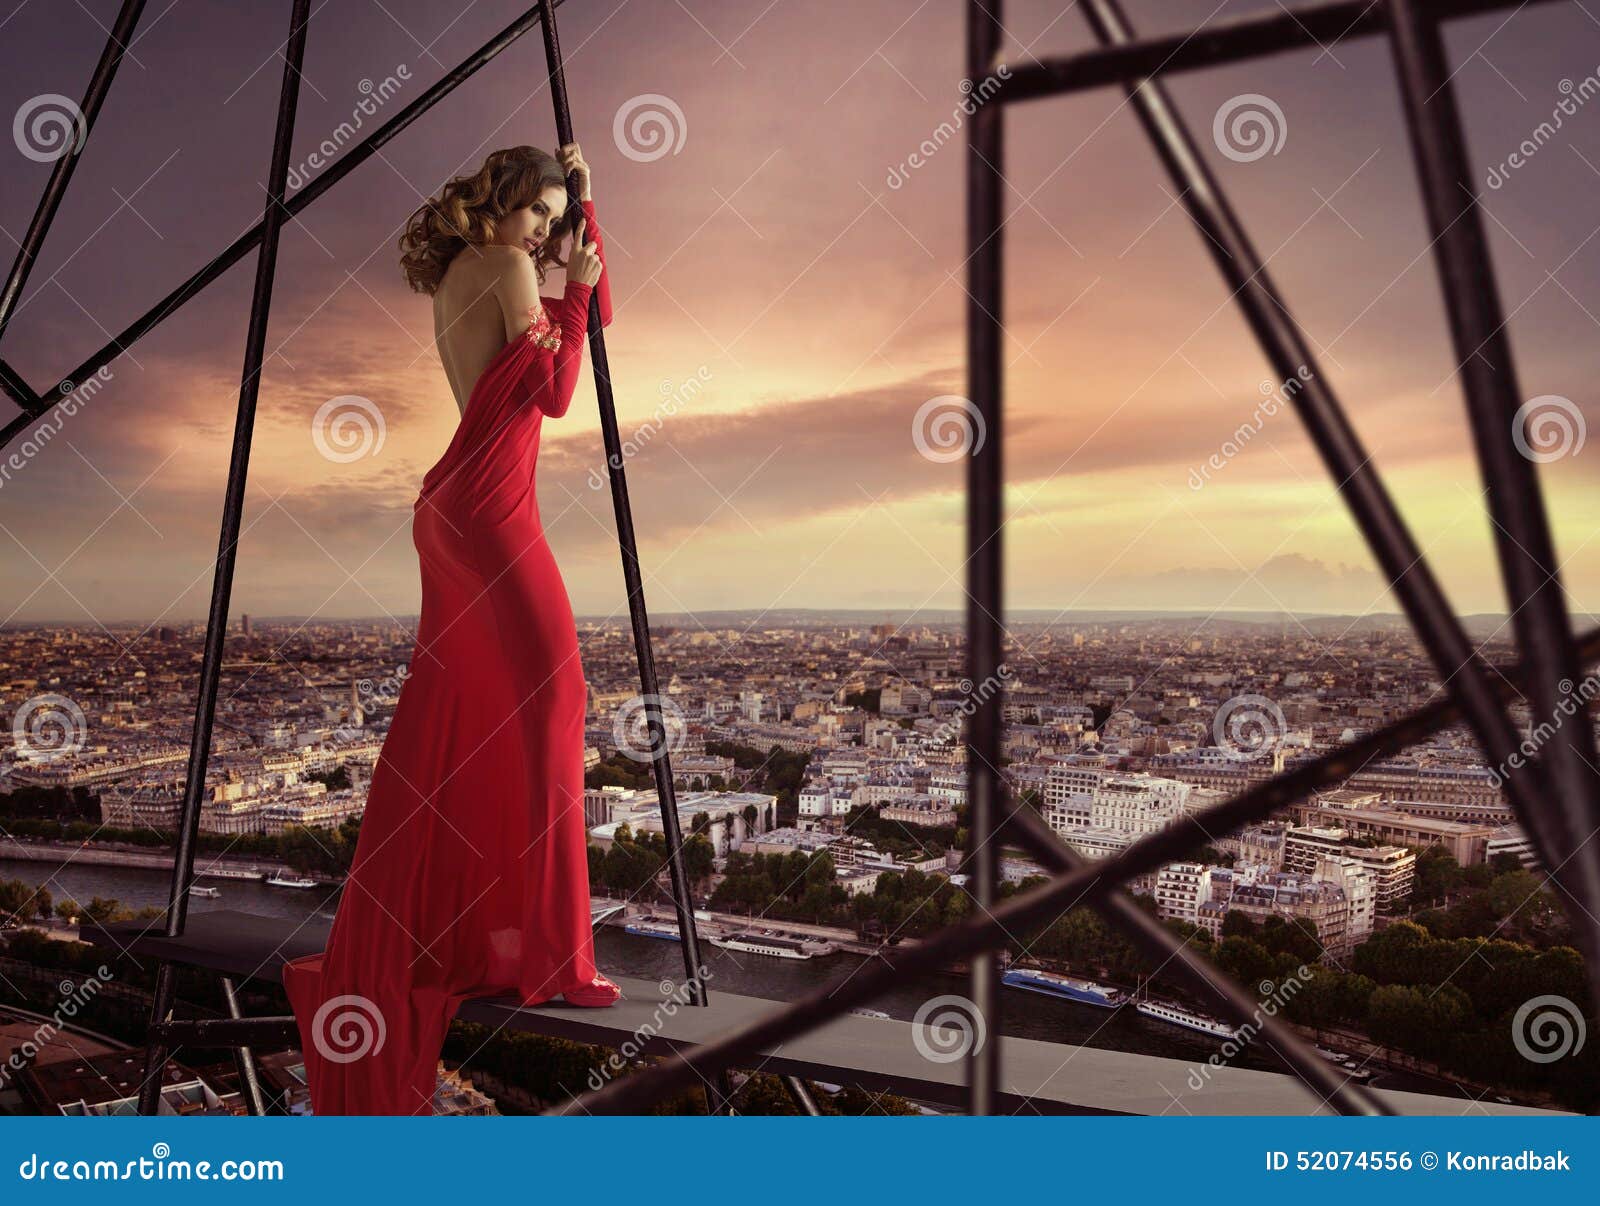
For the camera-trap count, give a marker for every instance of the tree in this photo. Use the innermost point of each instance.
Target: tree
(699, 858)
(1237, 925)
(1437, 876)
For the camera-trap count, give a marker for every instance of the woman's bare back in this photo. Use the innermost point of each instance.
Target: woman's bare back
(469, 326)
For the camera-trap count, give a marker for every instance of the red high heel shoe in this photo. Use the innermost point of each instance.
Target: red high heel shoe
(598, 993)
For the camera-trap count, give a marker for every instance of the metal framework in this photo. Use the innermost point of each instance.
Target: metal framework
(1556, 798)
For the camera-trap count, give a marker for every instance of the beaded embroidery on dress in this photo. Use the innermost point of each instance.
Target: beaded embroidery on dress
(541, 330)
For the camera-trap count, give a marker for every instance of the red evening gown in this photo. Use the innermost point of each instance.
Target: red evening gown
(470, 876)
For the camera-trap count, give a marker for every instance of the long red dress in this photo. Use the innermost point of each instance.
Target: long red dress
(470, 877)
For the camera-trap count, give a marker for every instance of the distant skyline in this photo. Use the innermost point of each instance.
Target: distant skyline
(788, 296)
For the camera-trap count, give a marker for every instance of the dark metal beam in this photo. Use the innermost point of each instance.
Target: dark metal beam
(1228, 41)
(802, 1096)
(227, 548)
(244, 1058)
(1521, 527)
(633, 580)
(1040, 906)
(238, 1032)
(1348, 462)
(66, 163)
(984, 428)
(235, 251)
(22, 394)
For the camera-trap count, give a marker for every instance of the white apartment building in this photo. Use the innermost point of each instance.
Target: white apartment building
(1181, 888)
(1360, 886)
(948, 786)
(1069, 794)
(1138, 804)
(1394, 868)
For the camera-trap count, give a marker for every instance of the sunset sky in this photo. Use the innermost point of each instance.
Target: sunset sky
(815, 302)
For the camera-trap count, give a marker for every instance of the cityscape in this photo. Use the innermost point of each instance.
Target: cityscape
(1400, 921)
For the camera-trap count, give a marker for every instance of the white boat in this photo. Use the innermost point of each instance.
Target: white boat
(1162, 1012)
(197, 890)
(760, 944)
(284, 880)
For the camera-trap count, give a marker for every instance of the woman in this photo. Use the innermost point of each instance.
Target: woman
(470, 876)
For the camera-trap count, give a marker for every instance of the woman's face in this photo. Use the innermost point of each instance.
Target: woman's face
(530, 226)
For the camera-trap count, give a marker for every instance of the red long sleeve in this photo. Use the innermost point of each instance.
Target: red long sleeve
(571, 313)
(554, 395)
(603, 286)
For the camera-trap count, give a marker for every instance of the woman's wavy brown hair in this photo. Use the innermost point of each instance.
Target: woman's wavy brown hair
(467, 208)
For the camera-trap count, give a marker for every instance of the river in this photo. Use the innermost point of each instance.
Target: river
(1026, 1015)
